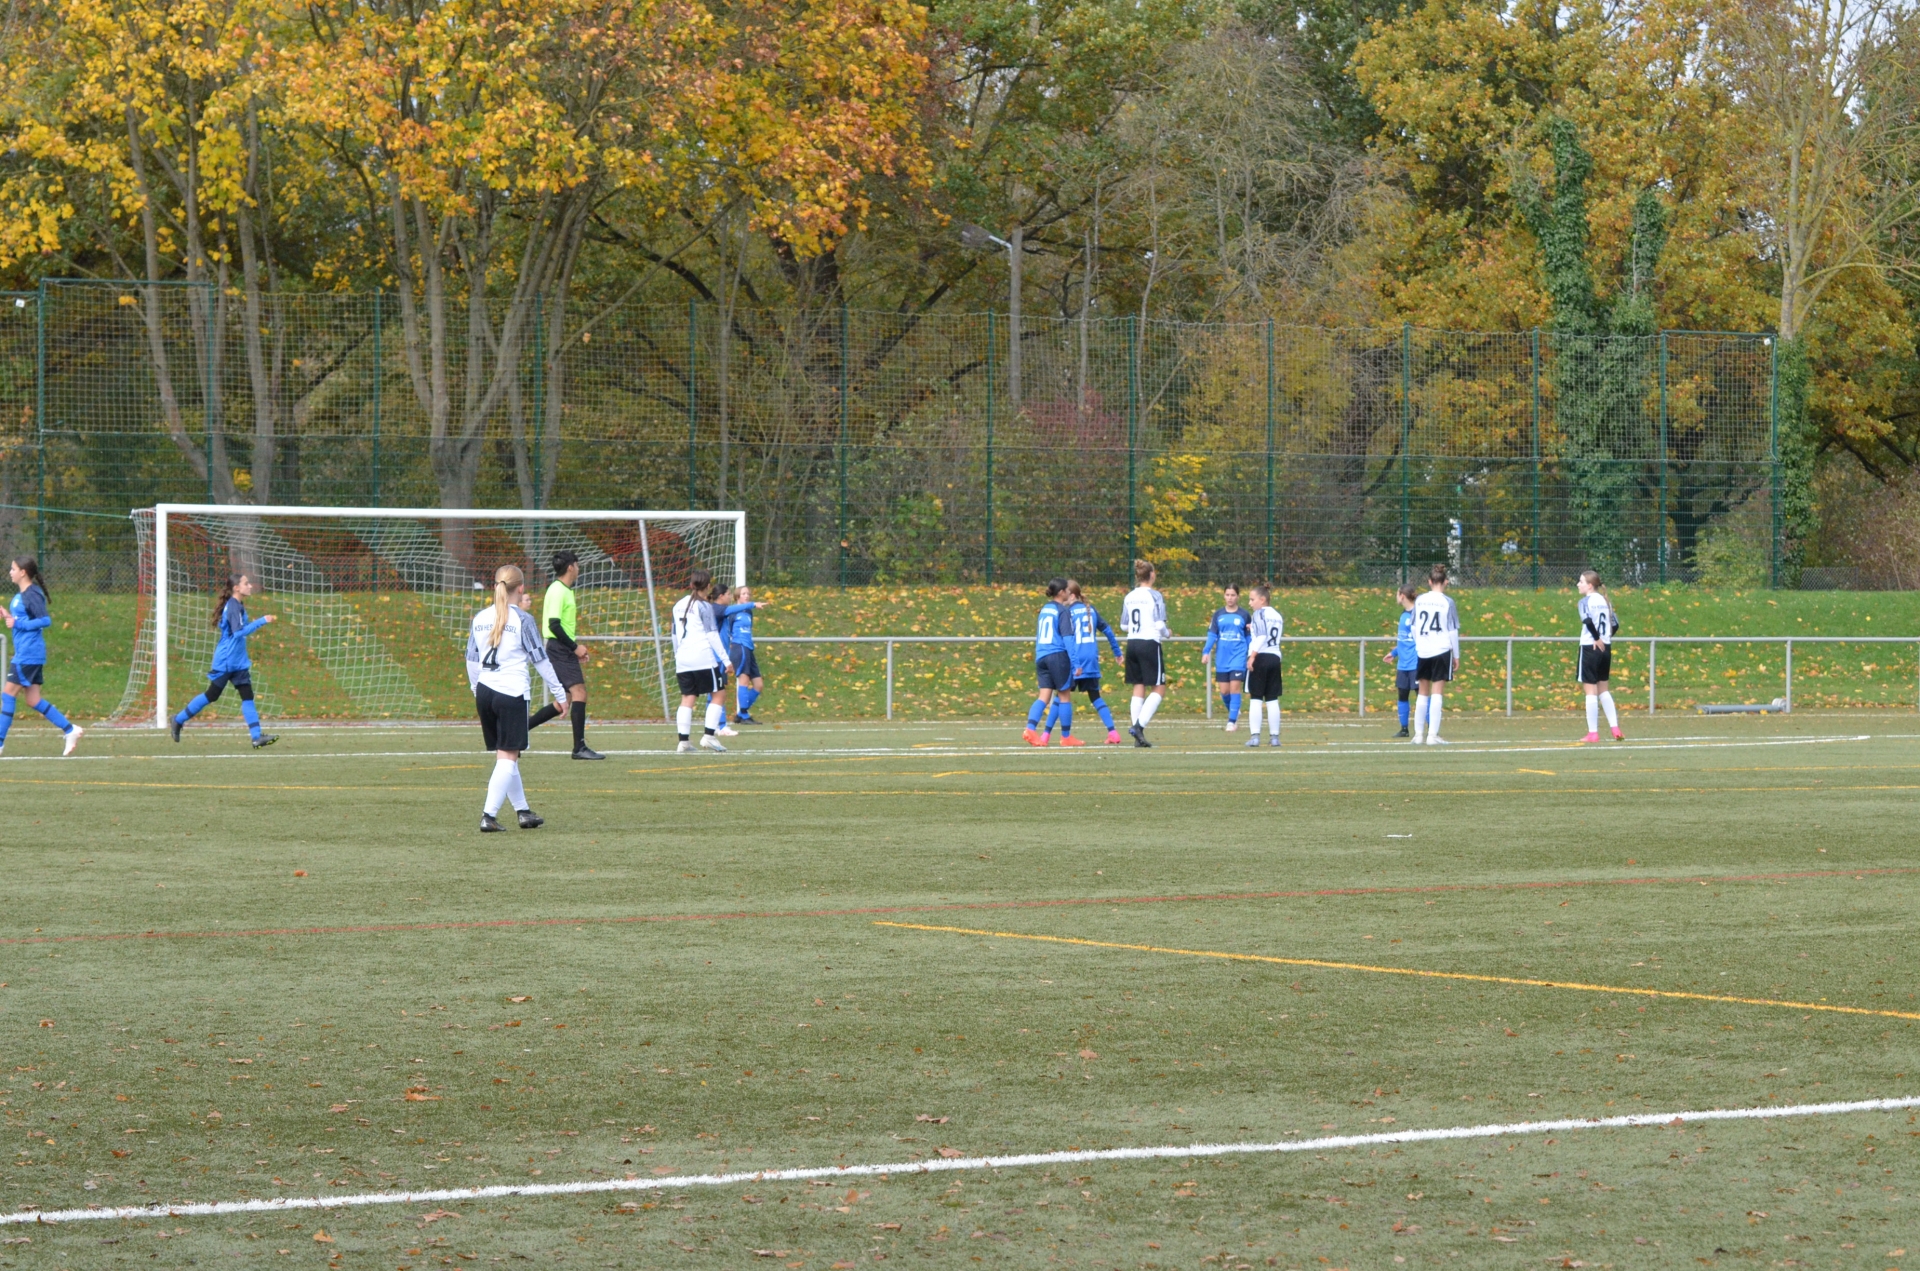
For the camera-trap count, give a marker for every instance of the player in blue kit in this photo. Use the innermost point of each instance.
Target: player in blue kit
(1052, 666)
(1085, 627)
(1405, 659)
(231, 665)
(26, 614)
(736, 632)
(1226, 651)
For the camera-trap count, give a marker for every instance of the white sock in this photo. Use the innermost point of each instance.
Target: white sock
(497, 785)
(684, 721)
(1253, 716)
(1133, 710)
(1419, 717)
(1613, 715)
(716, 715)
(1593, 712)
(516, 792)
(1273, 720)
(1433, 716)
(1152, 707)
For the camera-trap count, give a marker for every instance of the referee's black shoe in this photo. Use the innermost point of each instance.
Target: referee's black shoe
(488, 825)
(587, 752)
(1139, 735)
(530, 820)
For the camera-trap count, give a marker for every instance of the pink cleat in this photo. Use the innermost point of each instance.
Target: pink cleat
(1618, 735)
(1113, 737)
(1590, 738)
(1039, 739)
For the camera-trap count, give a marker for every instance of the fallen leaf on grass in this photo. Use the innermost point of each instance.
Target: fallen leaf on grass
(418, 1094)
(17, 1240)
(932, 1120)
(436, 1216)
(524, 997)
(322, 1238)
(119, 1153)
(951, 1152)
(1087, 1054)
(340, 1107)
(886, 1226)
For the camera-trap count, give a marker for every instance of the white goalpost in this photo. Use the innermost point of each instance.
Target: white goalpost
(373, 600)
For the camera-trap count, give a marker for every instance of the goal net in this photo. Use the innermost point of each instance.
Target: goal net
(372, 605)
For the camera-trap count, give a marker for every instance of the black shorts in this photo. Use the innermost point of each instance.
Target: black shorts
(1438, 668)
(694, 683)
(242, 682)
(566, 664)
(1055, 671)
(1596, 664)
(745, 665)
(503, 719)
(1227, 677)
(1405, 682)
(1088, 684)
(1144, 663)
(1263, 681)
(25, 674)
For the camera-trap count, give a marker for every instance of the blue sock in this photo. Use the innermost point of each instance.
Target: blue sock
(1065, 714)
(1053, 710)
(1033, 713)
(1106, 713)
(191, 709)
(746, 696)
(1405, 706)
(7, 708)
(251, 713)
(1233, 707)
(52, 715)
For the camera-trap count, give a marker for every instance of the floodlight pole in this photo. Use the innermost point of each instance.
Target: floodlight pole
(1015, 248)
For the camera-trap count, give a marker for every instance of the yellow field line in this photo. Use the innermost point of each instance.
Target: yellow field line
(1413, 971)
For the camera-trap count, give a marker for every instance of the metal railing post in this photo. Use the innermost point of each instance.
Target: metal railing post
(1653, 649)
(889, 679)
(1363, 676)
(1789, 675)
(1509, 679)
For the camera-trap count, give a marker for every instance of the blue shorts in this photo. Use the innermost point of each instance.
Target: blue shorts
(1088, 684)
(1406, 681)
(1055, 671)
(25, 674)
(745, 665)
(1226, 675)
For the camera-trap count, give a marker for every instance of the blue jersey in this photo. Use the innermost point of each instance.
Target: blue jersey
(736, 625)
(1050, 633)
(30, 618)
(231, 653)
(1405, 658)
(1085, 626)
(1227, 640)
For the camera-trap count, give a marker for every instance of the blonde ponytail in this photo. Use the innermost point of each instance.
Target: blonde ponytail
(506, 580)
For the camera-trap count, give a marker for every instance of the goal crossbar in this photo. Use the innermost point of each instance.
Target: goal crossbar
(163, 513)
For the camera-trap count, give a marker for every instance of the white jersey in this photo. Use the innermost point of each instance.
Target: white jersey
(1597, 623)
(696, 638)
(1436, 625)
(1263, 632)
(504, 668)
(1143, 615)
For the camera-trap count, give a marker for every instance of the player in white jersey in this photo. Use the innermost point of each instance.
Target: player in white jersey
(1264, 629)
(700, 660)
(503, 645)
(1597, 628)
(1436, 640)
(1143, 620)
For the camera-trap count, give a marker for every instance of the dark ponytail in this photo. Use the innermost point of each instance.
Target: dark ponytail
(31, 568)
(220, 601)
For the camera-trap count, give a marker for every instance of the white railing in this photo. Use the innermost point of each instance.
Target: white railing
(1652, 644)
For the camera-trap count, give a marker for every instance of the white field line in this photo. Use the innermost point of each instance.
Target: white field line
(1354, 750)
(283, 1204)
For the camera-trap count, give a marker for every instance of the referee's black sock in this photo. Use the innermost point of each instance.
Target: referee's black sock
(579, 715)
(542, 715)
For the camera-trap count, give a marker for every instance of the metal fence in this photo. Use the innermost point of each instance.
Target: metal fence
(885, 447)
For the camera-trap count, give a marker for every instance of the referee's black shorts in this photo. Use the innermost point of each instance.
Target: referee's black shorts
(1144, 663)
(503, 719)
(566, 664)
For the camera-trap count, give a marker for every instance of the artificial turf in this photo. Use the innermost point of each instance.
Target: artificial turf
(684, 972)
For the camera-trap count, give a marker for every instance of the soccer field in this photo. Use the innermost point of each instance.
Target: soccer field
(302, 973)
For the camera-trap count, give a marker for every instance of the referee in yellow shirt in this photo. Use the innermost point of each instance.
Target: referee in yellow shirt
(561, 614)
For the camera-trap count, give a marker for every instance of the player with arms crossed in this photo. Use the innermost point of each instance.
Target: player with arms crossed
(1143, 616)
(231, 665)
(1225, 652)
(1436, 639)
(1264, 630)
(1086, 626)
(1598, 626)
(561, 611)
(1406, 661)
(1052, 667)
(700, 661)
(26, 615)
(503, 646)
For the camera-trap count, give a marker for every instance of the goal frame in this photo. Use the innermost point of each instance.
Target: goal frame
(162, 591)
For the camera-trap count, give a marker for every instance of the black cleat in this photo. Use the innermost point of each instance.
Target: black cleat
(264, 739)
(1139, 736)
(745, 719)
(177, 726)
(587, 752)
(530, 820)
(1403, 733)
(488, 825)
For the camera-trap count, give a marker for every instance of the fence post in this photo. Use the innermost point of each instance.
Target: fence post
(40, 422)
(1269, 570)
(992, 337)
(1536, 459)
(1133, 429)
(379, 373)
(693, 359)
(1660, 524)
(539, 386)
(844, 544)
(1789, 676)
(1653, 650)
(1406, 443)
(889, 679)
(1773, 453)
(1509, 677)
(1363, 677)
